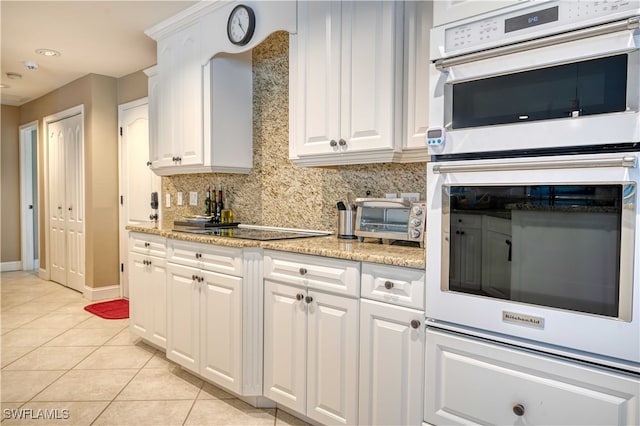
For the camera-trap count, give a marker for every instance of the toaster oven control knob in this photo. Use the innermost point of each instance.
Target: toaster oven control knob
(415, 233)
(417, 210)
(416, 222)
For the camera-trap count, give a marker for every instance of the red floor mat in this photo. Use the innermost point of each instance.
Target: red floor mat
(113, 309)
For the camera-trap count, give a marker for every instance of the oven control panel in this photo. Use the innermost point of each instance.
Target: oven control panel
(546, 18)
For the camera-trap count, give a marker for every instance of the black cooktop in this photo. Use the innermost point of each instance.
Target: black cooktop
(252, 233)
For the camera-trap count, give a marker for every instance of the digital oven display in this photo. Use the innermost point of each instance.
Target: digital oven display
(531, 19)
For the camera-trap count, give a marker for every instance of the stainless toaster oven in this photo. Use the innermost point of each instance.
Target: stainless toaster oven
(392, 219)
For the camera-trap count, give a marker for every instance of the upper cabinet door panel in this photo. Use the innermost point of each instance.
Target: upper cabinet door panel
(371, 73)
(315, 69)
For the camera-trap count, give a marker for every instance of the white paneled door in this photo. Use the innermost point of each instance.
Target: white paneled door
(137, 181)
(66, 202)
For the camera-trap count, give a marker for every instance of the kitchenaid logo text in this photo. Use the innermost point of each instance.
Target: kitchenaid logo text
(528, 320)
(35, 414)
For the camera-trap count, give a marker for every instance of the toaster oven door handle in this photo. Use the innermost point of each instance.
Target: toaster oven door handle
(632, 23)
(628, 161)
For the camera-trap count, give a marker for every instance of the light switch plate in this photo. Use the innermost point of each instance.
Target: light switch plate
(411, 196)
(167, 200)
(180, 201)
(193, 198)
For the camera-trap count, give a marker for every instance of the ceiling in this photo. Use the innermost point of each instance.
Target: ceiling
(100, 37)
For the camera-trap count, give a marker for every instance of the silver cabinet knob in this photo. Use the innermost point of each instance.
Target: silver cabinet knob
(415, 323)
(333, 143)
(308, 299)
(388, 285)
(299, 296)
(147, 244)
(303, 271)
(342, 142)
(194, 278)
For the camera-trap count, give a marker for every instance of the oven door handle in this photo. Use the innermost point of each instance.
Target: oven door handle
(632, 23)
(628, 161)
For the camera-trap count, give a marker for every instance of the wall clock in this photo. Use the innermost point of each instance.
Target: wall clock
(241, 24)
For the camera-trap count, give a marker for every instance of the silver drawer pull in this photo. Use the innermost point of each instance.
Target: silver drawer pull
(299, 296)
(303, 271)
(518, 410)
(415, 324)
(147, 244)
(388, 285)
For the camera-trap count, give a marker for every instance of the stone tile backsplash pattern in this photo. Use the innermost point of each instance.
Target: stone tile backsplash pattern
(277, 192)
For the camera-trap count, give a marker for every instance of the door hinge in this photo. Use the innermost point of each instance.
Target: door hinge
(122, 267)
(121, 200)
(120, 131)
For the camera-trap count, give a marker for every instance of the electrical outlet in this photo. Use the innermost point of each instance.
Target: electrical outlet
(180, 201)
(167, 200)
(193, 198)
(410, 196)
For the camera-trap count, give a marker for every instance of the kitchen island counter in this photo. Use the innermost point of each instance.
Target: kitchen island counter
(328, 246)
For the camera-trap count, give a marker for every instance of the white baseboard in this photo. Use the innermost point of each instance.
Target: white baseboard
(101, 293)
(11, 266)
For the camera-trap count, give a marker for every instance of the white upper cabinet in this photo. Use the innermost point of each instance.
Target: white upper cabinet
(346, 82)
(446, 11)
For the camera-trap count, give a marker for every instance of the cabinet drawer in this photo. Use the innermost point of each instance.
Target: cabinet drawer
(471, 381)
(467, 220)
(391, 284)
(226, 260)
(151, 245)
(322, 273)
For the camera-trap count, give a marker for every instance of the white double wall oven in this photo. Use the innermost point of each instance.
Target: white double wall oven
(533, 232)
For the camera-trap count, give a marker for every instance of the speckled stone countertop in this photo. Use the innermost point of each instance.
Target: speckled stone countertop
(329, 246)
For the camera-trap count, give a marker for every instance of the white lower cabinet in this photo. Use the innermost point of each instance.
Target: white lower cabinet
(472, 381)
(391, 364)
(147, 293)
(205, 314)
(311, 342)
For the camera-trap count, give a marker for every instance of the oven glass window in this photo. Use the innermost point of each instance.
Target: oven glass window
(551, 245)
(597, 86)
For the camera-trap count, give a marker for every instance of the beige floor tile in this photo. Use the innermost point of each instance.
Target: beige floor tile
(145, 413)
(87, 385)
(12, 353)
(52, 358)
(23, 385)
(97, 322)
(83, 337)
(17, 319)
(73, 306)
(161, 385)
(123, 338)
(58, 413)
(38, 306)
(110, 357)
(160, 361)
(285, 419)
(58, 320)
(228, 412)
(29, 336)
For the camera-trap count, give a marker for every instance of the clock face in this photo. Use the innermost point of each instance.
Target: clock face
(241, 25)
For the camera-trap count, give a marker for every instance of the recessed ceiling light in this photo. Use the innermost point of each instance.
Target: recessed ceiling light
(14, 75)
(47, 52)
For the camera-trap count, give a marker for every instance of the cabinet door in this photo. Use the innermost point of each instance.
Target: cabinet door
(371, 74)
(332, 374)
(285, 349)
(471, 381)
(391, 364)
(221, 330)
(157, 298)
(140, 317)
(183, 316)
(466, 251)
(315, 78)
(180, 99)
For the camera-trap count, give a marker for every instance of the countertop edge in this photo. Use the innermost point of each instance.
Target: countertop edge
(327, 246)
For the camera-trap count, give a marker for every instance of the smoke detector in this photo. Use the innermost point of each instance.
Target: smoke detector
(30, 65)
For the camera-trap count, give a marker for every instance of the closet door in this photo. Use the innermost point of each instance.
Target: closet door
(57, 203)
(74, 196)
(66, 202)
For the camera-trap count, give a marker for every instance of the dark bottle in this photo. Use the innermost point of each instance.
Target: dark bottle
(212, 204)
(219, 205)
(207, 203)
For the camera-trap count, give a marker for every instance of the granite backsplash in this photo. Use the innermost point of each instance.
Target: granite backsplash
(278, 192)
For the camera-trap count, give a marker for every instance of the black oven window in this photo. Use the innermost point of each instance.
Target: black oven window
(597, 86)
(551, 245)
